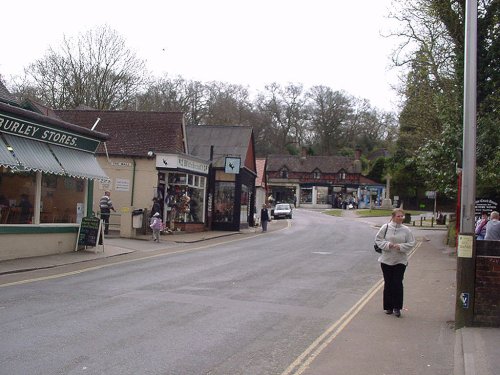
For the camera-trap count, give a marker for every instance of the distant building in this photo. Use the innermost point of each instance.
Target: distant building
(320, 181)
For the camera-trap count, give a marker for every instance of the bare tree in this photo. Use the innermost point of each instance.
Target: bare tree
(176, 94)
(228, 104)
(330, 112)
(286, 110)
(96, 69)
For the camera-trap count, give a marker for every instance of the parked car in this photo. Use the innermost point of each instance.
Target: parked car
(282, 210)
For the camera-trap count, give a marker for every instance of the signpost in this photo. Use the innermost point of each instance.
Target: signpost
(90, 233)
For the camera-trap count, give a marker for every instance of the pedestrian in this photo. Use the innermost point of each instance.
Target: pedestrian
(264, 217)
(396, 241)
(493, 227)
(105, 206)
(481, 226)
(156, 207)
(157, 226)
(26, 209)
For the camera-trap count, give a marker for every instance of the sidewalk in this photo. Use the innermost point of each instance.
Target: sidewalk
(422, 341)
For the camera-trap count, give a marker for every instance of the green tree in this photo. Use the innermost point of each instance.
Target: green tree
(432, 46)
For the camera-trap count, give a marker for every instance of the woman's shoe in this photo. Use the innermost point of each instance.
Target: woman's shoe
(388, 312)
(397, 312)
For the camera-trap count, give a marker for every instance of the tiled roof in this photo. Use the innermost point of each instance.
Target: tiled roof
(325, 164)
(9, 103)
(366, 181)
(261, 170)
(133, 133)
(34, 116)
(6, 96)
(227, 141)
(35, 106)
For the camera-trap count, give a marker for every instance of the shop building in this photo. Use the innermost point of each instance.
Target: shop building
(230, 150)
(319, 181)
(47, 174)
(145, 158)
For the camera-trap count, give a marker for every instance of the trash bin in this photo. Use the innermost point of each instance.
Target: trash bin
(137, 217)
(407, 219)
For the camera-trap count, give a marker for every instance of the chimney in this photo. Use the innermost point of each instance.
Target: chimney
(303, 152)
(357, 153)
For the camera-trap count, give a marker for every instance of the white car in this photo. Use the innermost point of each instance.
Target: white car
(282, 210)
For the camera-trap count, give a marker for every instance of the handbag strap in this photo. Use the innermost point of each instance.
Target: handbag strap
(386, 226)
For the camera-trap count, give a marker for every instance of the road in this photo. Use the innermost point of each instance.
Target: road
(241, 307)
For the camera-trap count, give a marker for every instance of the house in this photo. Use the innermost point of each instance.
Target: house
(47, 173)
(231, 153)
(260, 186)
(145, 158)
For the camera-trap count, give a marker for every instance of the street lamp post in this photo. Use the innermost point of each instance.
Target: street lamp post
(466, 241)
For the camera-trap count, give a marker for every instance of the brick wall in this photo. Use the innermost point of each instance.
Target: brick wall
(487, 285)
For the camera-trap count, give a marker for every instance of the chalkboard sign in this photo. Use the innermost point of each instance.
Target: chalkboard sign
(90, 232)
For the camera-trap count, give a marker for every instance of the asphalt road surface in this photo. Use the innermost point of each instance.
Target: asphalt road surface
(250, 306)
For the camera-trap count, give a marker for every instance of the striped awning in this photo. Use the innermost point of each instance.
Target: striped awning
(79, 163)
(33, 155)
(6, 158)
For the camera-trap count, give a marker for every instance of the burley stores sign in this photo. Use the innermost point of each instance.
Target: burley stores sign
(39, 132)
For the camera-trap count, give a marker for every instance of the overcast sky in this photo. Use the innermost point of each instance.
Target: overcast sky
(336, 43)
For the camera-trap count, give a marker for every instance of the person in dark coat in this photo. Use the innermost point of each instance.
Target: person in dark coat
(264, 217)
(156, 207)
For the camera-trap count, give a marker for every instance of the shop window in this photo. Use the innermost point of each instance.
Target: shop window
(185, 198)
(59, 197)
(224, 201)
(244, 203)
(306, 195)
(17, 196)
(322, 195)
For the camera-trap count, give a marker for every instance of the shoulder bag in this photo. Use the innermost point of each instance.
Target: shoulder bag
(378, 249)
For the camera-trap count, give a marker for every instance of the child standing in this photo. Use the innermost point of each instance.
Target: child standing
(156, 225)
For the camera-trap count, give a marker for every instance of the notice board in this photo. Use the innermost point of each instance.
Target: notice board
(90, 233)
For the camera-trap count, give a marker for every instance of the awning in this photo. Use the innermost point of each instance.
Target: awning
(79, 163)
(33, 155)
(6, 158)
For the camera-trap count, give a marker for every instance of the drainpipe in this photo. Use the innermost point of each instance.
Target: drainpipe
(133, 183)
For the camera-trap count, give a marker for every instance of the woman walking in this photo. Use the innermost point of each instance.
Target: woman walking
(396, 241)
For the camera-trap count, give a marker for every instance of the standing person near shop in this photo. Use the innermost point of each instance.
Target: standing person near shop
(156, 207)
(493, 227)
(105, 206)
(264, 217)
(481, 226)
(26, 209)
(396, 241)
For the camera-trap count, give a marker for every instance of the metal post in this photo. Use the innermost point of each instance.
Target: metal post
(466, 252)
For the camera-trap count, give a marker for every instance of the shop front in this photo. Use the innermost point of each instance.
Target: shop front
(182, 191)
(233, 200)
(47, 168)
